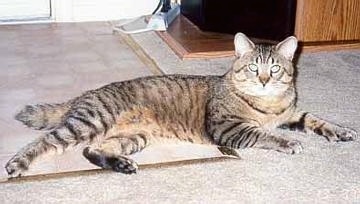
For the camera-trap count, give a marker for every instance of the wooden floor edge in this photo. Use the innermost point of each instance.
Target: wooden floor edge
(209, 55)
(44, 177)
(182, 53)
(179, 50)
(334, 47)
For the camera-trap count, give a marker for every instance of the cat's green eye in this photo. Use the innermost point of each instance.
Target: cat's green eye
(275, 69)
(253, 67)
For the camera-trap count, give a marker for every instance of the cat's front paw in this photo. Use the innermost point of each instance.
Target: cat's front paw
(345, 134)
(16, 165)
(123, 165)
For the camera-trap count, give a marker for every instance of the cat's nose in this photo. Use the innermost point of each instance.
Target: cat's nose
(264, 80)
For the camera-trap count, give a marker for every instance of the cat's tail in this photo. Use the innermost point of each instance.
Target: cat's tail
(43, 116)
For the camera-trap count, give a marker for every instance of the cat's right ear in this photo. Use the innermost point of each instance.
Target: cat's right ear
(242, 44)
(287, 47)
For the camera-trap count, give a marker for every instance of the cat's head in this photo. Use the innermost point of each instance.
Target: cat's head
(263, 69)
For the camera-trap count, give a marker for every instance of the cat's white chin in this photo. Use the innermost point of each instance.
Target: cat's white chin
(261, 91)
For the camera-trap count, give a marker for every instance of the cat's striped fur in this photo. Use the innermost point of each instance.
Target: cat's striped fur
(236, 110)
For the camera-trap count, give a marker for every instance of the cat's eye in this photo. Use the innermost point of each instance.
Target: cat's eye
(275, 69)
(253, 68)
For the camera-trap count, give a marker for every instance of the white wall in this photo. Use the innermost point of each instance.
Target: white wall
(20, 9)
(99, 10)
(76, 10)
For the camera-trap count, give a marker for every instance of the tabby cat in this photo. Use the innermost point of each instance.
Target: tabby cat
(236, 110)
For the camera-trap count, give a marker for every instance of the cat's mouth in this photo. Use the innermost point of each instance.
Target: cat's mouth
(266, 90)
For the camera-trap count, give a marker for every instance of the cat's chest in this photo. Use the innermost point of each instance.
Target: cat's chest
(272, 121)
(270, 113)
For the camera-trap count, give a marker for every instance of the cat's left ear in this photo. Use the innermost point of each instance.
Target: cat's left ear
(242, 44)
(287, 47)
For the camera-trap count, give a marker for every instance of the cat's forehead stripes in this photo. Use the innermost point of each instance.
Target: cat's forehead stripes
(258, 59)
(264, 54)
(270, 60)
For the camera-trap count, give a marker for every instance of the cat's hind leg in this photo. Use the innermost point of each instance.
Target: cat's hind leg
(75, 129)
(111, 153)
(57, 141)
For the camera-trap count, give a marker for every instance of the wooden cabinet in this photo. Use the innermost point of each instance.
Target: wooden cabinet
(319, 21)
(320, 25)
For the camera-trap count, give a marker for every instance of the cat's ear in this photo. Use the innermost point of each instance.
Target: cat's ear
(287, 47)
(243, 44)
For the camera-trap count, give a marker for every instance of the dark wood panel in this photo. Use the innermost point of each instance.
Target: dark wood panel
(327, 20)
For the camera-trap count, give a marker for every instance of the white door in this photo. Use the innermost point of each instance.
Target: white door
(24, 9)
